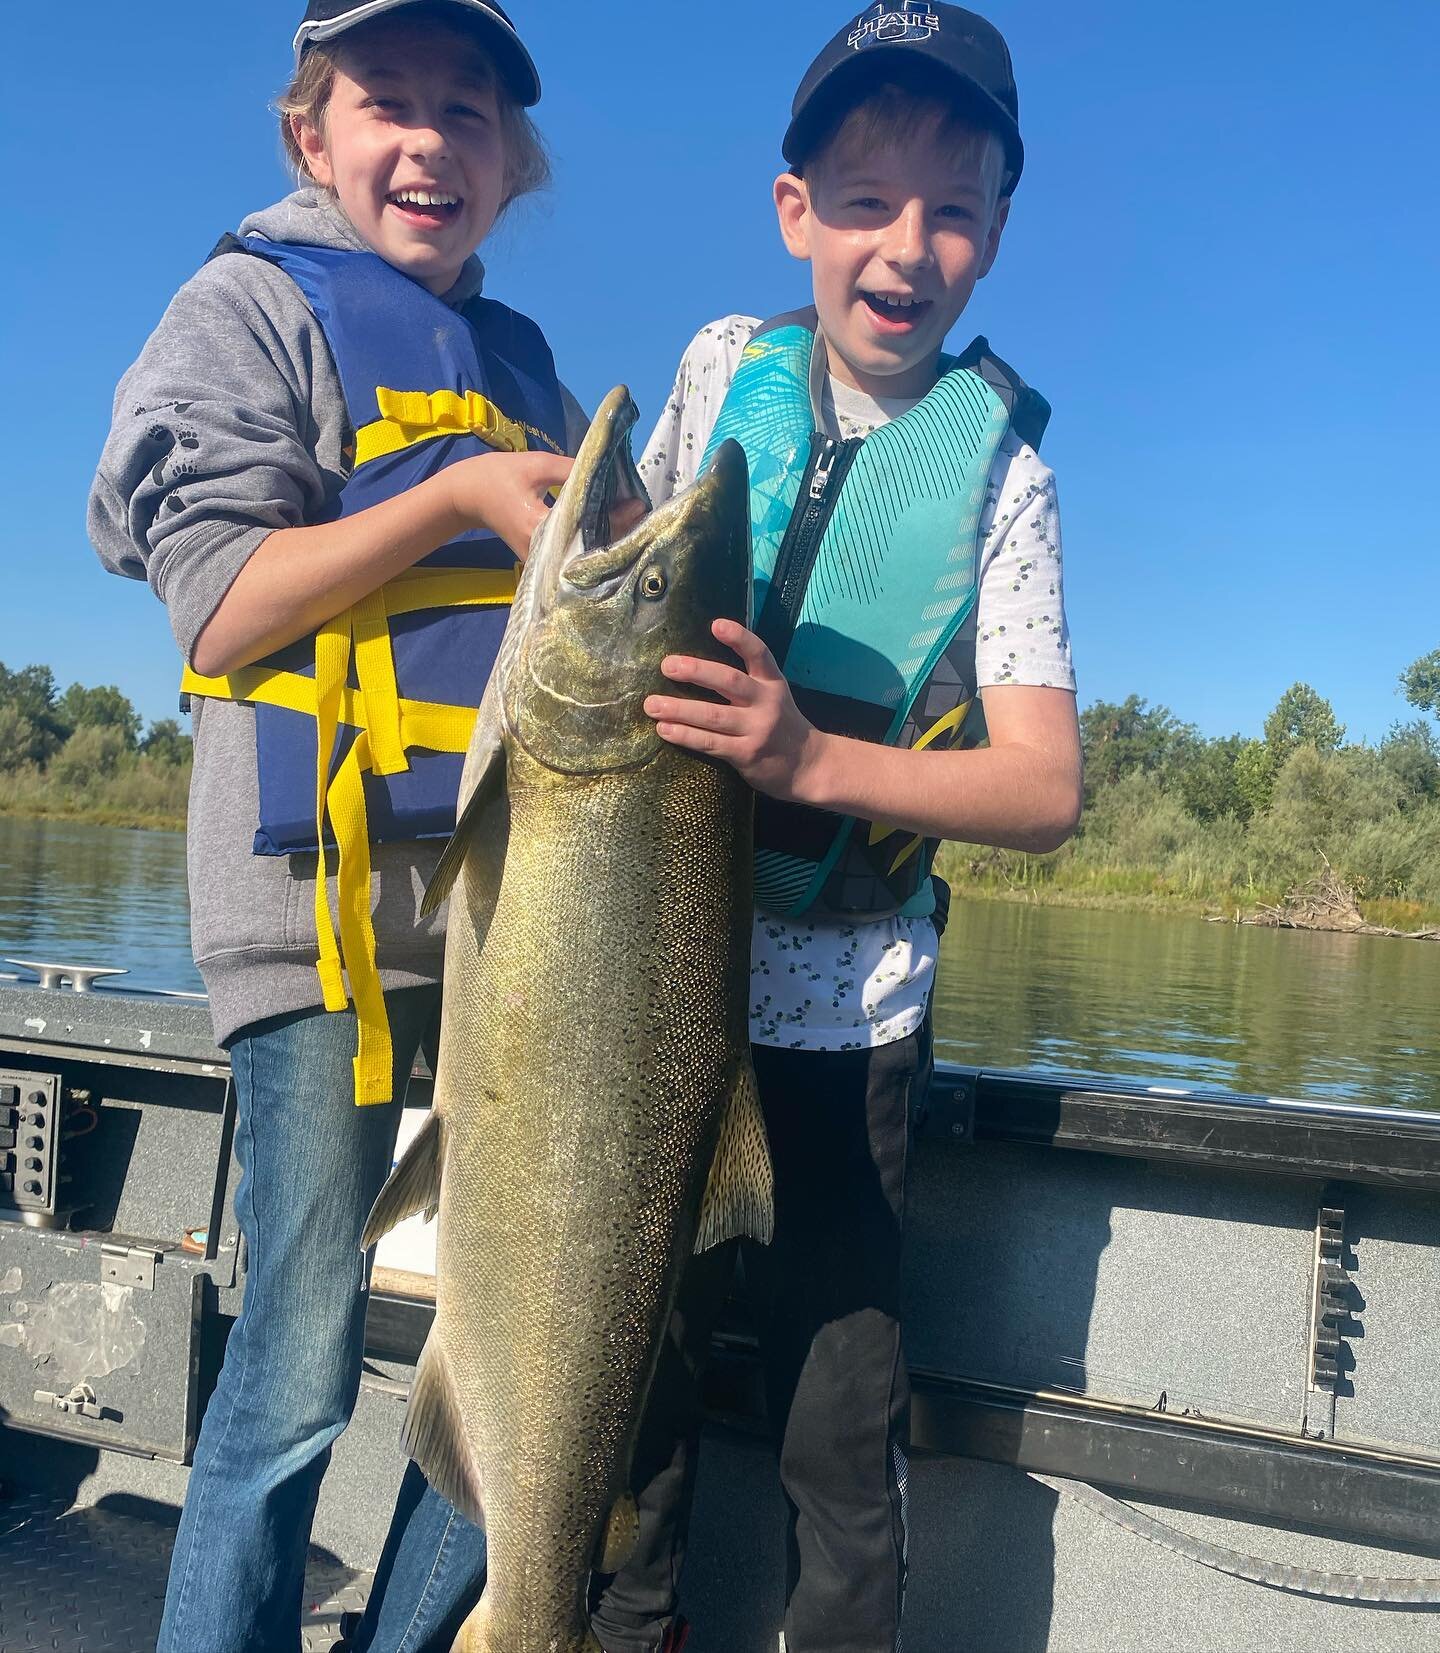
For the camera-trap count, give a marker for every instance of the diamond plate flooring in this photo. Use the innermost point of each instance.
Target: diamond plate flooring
(92, 1580)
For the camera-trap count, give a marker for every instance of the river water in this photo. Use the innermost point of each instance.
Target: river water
(1166, 1000)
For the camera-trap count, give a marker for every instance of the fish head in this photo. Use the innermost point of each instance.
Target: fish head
(607, 614)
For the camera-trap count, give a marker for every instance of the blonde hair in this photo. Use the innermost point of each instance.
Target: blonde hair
(527, 161)
(891, 116)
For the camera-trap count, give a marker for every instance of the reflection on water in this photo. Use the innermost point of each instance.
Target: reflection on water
(77, 894)
(1172, 1000)
(1166, 1000)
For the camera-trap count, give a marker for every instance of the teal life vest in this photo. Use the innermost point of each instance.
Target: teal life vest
(867, 566)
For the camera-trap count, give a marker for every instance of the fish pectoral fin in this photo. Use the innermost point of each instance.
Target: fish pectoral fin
(414, 1185)
(622, 1533)
(487, 764)
(740, 1195)
(434, 1436)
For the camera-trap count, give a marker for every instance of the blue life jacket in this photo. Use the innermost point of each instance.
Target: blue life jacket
(387, 333)
(361, 728)
(867, 565)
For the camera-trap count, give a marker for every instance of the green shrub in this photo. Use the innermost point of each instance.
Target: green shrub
(1420, 683)
(1302, 718)
(166, 742)
(20, 742)
(103, 708)
(91, 755)
(1411, 751)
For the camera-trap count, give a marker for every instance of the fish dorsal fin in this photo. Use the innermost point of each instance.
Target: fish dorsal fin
(480, 820)
(622, 1533)
(414, 1185)
(740, 1195)
(434, 1436)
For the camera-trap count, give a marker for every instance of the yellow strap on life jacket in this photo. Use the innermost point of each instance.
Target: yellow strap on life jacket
(388, 727)
(451, 588)
(375, 667)
(411, 416)
(878, 829)
(332, 668)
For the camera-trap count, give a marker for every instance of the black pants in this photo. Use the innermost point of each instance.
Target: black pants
(827, 1302)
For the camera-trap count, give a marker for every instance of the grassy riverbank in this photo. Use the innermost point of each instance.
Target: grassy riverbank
(1175, 822)
(139, 792)
(1340, 814)
(1139, 848)
(86, 755)
(1030, 881)
(1325, 833)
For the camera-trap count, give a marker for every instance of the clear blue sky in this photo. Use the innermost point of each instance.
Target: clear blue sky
(1221, 268)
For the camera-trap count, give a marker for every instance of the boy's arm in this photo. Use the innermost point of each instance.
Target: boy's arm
(298, 578)
(228, 435)
(1022, 792)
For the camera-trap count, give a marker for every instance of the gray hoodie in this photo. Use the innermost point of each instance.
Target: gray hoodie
(231, 425)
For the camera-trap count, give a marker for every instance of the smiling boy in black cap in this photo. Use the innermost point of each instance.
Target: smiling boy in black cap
(907, 564)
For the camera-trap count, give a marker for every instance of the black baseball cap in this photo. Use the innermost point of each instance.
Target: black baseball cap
(325, 19)
(945, 43)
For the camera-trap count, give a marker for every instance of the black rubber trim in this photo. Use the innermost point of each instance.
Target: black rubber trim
(1246, 1473)
(1392, 1499)
(1391, 1147)
(1259, 1478)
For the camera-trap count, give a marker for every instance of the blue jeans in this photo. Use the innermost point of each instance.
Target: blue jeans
(429, 1578)
(312, 1164)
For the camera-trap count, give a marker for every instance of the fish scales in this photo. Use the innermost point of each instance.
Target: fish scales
(595, 1115)
(576, 1169)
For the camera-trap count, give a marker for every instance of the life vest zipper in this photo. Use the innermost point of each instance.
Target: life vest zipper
(820, 487)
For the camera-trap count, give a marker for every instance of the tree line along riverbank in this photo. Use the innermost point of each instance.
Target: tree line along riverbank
(85, 754)
(1231, 827)
(1174, 820)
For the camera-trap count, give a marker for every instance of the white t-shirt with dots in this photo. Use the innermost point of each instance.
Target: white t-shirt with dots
(832, 985)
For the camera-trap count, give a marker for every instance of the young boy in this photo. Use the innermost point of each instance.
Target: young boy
(907, 562)
(333, 449)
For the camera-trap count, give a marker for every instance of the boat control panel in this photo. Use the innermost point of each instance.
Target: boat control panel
(29, 1128)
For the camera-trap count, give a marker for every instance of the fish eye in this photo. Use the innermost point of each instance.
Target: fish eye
(652, 584)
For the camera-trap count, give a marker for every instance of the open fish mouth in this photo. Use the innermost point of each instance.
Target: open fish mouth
(601, 570)
(607, 474)
(608, 594)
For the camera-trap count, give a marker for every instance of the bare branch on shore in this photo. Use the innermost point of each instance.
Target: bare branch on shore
(1326, 902)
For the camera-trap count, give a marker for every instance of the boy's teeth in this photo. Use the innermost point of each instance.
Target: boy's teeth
(894, 303)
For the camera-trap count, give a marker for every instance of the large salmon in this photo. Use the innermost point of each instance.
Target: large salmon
(595, 1112)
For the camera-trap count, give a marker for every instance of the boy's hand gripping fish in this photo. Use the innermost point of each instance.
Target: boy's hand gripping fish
(595, 1113)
